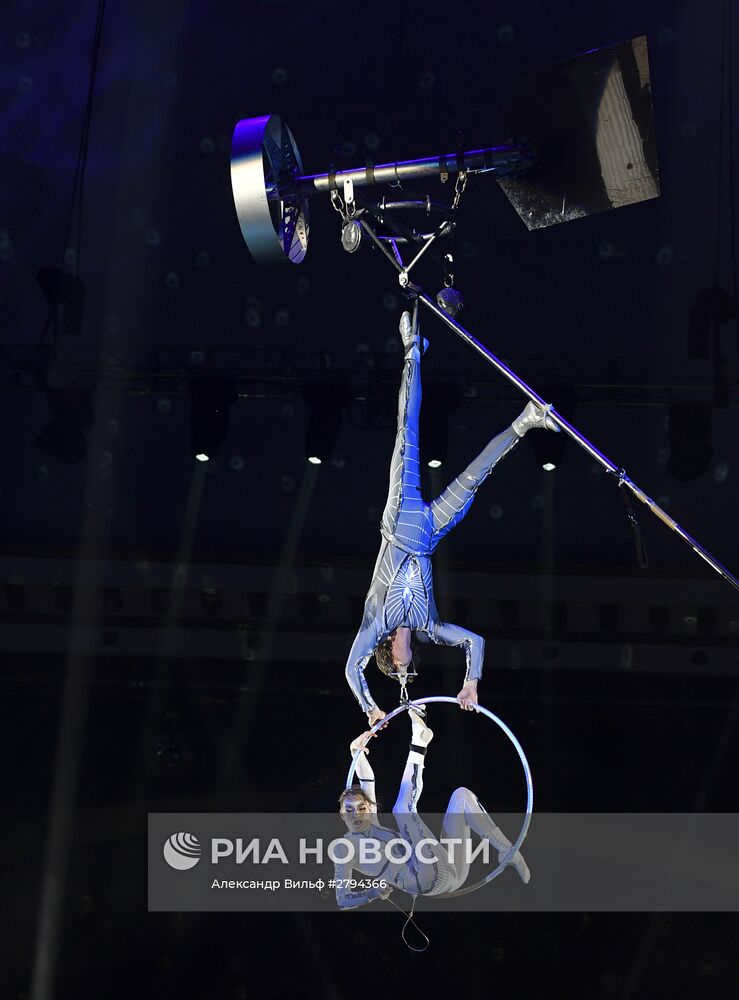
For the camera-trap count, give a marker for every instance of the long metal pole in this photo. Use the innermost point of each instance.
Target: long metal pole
(565, 425)
(502, 160)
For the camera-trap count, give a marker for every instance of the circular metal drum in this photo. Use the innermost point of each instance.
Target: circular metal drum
(264, 161)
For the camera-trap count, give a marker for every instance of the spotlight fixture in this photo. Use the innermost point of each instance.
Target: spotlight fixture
(64, 436)
(508, 613)
(63, 597)
(690, 440)
(351, 236)
(608, 617)
(65, 294)
(326, 401)
(659, 618)
(712, 307)
(15, 596)
(439, 402)
(310, 607)
(707, 620)
(210, 403)
(210, 600)
(112, 600)
(160, 601)
(548, 454)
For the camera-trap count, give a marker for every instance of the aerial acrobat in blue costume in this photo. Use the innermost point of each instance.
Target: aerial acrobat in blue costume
(400, 599)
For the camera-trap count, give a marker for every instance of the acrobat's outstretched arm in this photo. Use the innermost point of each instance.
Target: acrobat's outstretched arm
(362, 649)
(447, 634)
(350, 899)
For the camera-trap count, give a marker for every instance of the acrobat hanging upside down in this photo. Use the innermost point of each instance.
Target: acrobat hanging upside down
(400, 599)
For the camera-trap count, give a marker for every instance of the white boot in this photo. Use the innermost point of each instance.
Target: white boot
(410, 337)
(534, 416)
(421, 735)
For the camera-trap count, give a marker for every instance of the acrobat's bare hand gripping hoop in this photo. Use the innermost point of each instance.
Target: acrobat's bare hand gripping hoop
(589, 148)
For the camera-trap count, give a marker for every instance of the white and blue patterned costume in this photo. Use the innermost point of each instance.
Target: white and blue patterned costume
(401, 592)
(444, 871)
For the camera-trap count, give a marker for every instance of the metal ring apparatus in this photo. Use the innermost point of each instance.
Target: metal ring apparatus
(522, 756)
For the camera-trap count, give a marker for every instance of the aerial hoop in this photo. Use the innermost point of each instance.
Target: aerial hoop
(526, 769)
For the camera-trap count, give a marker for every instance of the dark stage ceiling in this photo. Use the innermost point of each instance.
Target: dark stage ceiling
(208, 607)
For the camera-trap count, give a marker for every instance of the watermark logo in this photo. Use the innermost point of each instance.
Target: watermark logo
(182, 851)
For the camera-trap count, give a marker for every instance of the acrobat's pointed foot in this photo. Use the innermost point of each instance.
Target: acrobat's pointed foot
(518, 863)
(411, 338)
(421, 735)
(533, 417)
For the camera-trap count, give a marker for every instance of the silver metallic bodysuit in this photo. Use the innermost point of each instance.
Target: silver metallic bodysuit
(401, 592)
(443, 871)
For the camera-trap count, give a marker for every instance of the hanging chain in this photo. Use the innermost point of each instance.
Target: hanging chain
(338, 203)
(460, 185)
(448, 273)
(404, 699)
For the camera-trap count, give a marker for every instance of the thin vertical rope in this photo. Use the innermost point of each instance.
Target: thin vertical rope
(719, 182)
(81, 166)
(732, 206)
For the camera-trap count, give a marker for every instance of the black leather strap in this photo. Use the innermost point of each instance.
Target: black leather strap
(641, 549)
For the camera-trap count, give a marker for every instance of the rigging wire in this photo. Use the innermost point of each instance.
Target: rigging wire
(78, 184)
